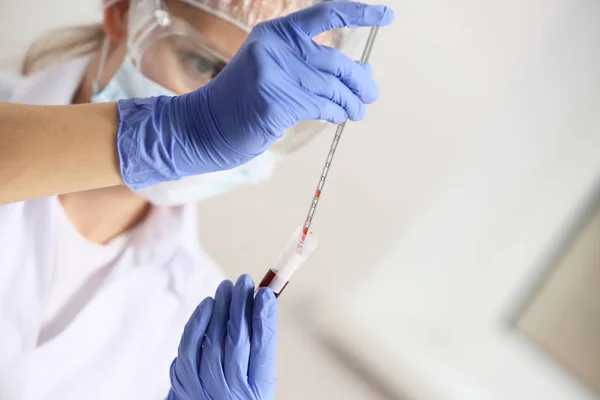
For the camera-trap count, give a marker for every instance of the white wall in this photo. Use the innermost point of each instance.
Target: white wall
(25, 20)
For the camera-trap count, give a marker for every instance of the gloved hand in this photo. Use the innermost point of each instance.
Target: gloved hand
(278, 78)
(227, 351)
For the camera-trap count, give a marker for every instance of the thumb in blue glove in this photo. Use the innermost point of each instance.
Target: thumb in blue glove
(228, 347)
(278, 78)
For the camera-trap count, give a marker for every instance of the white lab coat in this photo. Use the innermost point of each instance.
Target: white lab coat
(122, 342)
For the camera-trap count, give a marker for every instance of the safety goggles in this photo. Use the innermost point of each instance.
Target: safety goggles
(169, 50)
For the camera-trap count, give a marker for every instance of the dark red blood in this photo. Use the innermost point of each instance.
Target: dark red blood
(266, 281)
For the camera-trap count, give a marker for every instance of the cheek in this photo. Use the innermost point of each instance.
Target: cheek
(114, 61)
(161, 65)
(326, 39)
(160, 68)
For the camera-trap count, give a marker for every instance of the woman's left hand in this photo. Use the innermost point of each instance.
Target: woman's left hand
(228, 347)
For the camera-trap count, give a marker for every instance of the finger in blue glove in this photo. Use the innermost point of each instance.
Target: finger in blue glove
(261, 370)
(184, 369)
(211, 365)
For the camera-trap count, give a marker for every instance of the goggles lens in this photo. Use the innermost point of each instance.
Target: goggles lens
(168, 50)
(179, 63)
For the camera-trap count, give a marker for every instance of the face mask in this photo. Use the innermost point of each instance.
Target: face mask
(127, 83)
(205, 186)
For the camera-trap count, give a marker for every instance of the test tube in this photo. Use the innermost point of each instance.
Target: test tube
(297, 251)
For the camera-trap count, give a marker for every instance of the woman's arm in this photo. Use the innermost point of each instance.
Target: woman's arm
(54, 150)
(48, 150)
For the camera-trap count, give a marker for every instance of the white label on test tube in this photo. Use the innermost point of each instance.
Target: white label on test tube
(292, 259)
(289, 265)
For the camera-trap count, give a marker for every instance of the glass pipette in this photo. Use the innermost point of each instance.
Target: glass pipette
(336, 139)
(303, 242)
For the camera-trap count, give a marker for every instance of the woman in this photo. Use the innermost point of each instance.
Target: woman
(97, 283)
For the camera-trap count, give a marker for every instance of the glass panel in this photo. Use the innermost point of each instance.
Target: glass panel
(564, 315)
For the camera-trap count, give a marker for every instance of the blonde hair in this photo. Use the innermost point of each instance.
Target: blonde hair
(62, 44)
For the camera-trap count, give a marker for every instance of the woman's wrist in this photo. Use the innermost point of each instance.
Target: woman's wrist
(48, 150)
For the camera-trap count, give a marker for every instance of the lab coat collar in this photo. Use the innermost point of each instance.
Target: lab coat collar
(56, 85)
(157, 238)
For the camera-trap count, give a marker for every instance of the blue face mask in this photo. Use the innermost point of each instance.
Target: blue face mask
(129, 82)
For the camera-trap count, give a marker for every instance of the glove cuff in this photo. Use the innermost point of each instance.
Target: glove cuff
(144, 142)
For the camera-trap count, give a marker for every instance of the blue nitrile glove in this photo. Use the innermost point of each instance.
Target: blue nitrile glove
(227, 351)
(278, 78)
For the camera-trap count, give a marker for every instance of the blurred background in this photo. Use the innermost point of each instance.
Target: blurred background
(460, 226)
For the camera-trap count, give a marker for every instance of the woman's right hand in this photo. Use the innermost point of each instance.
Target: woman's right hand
(227, 351)
(278, 78)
